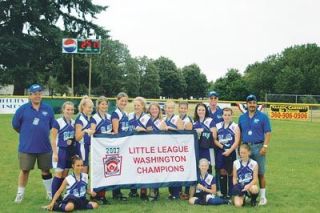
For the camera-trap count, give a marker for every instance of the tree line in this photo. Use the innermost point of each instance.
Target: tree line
(30, 51)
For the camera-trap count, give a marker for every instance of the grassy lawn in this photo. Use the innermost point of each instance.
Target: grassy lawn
(292, 171)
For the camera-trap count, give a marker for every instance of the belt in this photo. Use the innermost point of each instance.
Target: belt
(253, 143)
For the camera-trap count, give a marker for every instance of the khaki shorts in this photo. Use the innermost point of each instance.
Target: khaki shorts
(27, 160)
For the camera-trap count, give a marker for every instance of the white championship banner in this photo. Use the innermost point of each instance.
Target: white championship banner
(143, 160)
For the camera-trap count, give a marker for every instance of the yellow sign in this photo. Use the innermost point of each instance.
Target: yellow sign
(289, 112)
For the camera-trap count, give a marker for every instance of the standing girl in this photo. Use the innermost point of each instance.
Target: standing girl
(139, 121)
(120, 124)
(84, 129)
(63, 144)
(102, 120)
(174, 123)
(204, 125)
(76, 185)
(227, 139)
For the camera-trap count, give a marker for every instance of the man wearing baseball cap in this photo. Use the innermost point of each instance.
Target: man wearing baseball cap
(33, 122)
(256, 132)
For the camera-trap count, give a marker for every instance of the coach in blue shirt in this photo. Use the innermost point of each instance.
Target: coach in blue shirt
(256, 132)
(33, 122)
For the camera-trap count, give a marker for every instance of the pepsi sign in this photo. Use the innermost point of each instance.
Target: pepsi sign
(69, 45)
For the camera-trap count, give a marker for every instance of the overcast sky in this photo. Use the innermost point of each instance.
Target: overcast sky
(215, 34)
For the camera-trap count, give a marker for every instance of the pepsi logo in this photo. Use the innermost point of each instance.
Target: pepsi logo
(69, 45)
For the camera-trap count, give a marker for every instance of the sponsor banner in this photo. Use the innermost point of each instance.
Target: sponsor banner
(69, 45)
(143, 160)
(10, 105)
(289, 112)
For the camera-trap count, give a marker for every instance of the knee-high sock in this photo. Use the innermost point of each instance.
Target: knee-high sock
(56, 183)
(223, 184)
(47, 182)
(230, 185)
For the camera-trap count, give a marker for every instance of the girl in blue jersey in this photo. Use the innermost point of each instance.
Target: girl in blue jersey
(63, 144)
(102, 120)
(204, 125)
(187, 125)
(204, 193)
(227, 139)
(245, 178)
(158, 124)
(120, 125)
(84, 129)
(174, 123)
(139, 121)
(76, 185)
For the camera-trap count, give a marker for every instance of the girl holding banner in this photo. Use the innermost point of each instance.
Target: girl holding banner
(120, 125)
(102, 120)
(139, 121)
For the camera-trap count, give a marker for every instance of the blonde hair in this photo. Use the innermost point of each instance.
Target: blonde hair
(183, 103)
(169, 102)
(84, 101)
(158, 106)
(142, 101)
(204, 160)
(99, 101)
(65, 104)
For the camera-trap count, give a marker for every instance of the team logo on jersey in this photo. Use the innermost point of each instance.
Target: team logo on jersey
(256, 120)
(112, 165)
(44, 113)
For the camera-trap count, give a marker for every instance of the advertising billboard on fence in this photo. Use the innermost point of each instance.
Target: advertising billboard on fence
(289, 112)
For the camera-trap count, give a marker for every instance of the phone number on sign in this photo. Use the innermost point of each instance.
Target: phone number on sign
(289, 115)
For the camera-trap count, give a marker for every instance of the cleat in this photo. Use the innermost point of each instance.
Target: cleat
(49, 196)
(171, 197)
(19, 198)
(263, 201)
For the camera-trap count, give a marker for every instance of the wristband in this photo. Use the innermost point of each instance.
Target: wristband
(265, 146)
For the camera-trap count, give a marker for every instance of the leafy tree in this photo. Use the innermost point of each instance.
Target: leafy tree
(30, 40)
(150, 79)
(196, 82)
(132, 77)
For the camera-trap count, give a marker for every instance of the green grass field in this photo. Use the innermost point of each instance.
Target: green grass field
(292, 175)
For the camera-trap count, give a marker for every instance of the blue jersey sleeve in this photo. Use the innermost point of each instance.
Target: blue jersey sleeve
(213, 181)
(212, 124)
(56, 125)
(17, 119)
(93, 121)
(149, 124)
(114, 116)
(52, 119)
(78, 121)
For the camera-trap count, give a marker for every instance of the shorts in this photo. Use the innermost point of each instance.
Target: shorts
(223, 162)
(83, 150)
(255, 155)
(237, 190)
(65, 155)
(27, 160)
(79, 203)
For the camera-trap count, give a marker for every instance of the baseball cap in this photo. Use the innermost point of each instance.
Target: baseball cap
(35, 88)
(213, 93)
(251, 98)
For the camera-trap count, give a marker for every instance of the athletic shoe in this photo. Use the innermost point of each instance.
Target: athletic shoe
(184, 196)
(133, 194)
(263, 201)
(19, 198)
(171, 197)
(103, 201)
(253, 203)
(144, 196)
(120, 197)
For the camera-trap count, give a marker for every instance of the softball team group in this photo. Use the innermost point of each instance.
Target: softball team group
(220, 152)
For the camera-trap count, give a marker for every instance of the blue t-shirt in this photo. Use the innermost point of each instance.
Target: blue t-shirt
(253, 129)
(34, 128)
(65, 131)
(217, 115)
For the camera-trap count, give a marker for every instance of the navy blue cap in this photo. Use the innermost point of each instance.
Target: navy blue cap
(35, 88)
(213, 93)
(251, 98)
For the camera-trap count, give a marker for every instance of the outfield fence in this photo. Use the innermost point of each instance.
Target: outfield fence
(298, 111)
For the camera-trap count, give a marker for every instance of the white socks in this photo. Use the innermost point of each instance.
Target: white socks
(47, 185)
(263, 193)
(21, 190)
